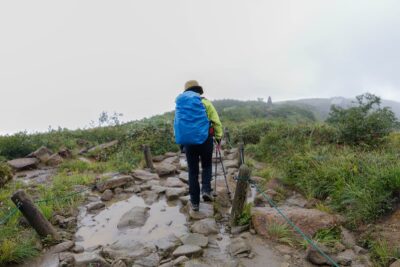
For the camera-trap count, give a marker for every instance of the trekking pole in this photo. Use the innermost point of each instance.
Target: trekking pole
(215, 180)
(223, 169)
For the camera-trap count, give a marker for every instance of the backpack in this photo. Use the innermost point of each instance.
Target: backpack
(191, 124)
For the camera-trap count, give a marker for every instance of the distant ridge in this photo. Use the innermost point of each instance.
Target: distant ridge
(321, 106)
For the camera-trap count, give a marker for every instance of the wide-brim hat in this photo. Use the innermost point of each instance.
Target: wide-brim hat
(194, 86)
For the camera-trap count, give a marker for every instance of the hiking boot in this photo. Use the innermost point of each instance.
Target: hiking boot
(195, 207)
(207, 197)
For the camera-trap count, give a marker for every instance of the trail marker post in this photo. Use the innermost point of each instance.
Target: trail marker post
(239, 199)
(148, 157)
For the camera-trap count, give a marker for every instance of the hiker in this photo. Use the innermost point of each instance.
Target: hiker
(196, 124)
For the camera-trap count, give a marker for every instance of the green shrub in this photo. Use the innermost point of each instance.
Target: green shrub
(5, 174)
(366, 123)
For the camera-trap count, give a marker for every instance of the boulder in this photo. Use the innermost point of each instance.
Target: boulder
(174, 182)
(23, 163)
(180, 260)
(54, 160)
(163, 168)
(114, 182)
(107, 195)
(346, 257)
(144, 176)
(158, 158)
(395, 264)
(42, 154)
(118, 263)
(102, 147)
(195, 239)
(308, 220)
(173, 193)
(159, 189)
(206, 226)
(152, 260)
(315, 257)
(347, 238)
(188, 250)
(136, 217)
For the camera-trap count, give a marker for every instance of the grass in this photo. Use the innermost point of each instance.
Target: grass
(382, 254)
(245, 217)
(17, 243)
(281, 233)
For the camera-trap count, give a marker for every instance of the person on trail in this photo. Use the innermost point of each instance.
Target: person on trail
(196, 124)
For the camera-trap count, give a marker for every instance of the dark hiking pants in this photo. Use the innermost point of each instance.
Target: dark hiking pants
(195, 154)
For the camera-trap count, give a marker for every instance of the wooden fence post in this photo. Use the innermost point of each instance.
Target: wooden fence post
(35, 218)
(241, 153)
(148, 157)
(227, 135)
(239, 199)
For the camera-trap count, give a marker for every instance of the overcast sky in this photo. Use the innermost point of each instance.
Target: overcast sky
(63, 62)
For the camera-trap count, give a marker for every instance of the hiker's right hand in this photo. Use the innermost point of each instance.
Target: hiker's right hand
(218, 143)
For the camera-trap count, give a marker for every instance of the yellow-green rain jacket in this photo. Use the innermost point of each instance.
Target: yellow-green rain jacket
(213, 117)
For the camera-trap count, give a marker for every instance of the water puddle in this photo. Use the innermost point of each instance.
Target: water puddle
(101, 229)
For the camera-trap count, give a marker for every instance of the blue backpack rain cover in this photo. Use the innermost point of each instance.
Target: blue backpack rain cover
(191, 124)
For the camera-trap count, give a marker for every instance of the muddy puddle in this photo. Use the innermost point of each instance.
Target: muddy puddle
(101, 229)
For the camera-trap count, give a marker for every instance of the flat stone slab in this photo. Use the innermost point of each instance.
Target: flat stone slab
(144, 176)
(164, 168)
(95, 206)
(89, 259)
(173, 193)
(23, 163)
(188, 250)
(205, 211)
(206, 226)
(195, 239)
(114, 182)
(184, 177)
(174, 182)
(167, 244)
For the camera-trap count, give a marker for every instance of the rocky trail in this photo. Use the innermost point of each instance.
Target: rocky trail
(143, 219)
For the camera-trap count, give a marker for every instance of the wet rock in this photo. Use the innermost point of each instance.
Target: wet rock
(66, 259)
(149, 197)
(115, 182)
(54, 160)
(347, 237)
(23, 163)
(136, 217)
(184, 199)
(167, 245)
(95, 206)
(144, 187)
(129, 252)
(188, 250)
(239, 246)
(42, 154)
(196, 263)
(195, 239)
(180, 260)
(118, 263)
(163, 169)
(64, 246)
(144, 176)
(68, 223)
(346, 257)
(308, 220)
(170, 154)
(174, 182)
(206, 226)
(313, 255)
(90, 259)
(78, 249)
(132, 189)
(205, 211)
(184, 177)
(151, 260)
(107, 195)
(158, 189)
(174, 193)
(239, 229)
(99, 148)
(118, 190)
